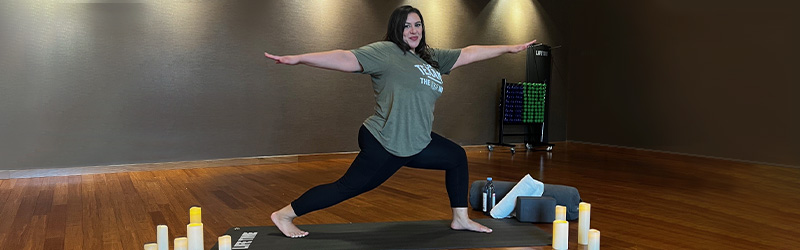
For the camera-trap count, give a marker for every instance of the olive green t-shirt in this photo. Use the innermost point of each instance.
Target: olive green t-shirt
(406, 89)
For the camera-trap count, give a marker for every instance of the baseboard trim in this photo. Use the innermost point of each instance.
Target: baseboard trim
(242, 161)
(686, 154)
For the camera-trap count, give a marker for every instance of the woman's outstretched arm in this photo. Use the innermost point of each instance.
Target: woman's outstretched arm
(340, 60)
(474, 53)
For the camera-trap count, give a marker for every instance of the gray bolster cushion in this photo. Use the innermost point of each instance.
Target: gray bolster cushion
(564, 195)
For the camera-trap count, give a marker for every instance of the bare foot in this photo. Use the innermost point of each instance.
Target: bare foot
(468, 224)
(461, 221)
(283, 220)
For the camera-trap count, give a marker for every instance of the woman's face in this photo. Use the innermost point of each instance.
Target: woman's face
(412, 32)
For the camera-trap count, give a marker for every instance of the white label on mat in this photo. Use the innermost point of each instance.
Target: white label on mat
(245, 240)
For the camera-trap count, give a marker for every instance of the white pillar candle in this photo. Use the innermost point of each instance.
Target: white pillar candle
(151, 246)
(584, 210)
(194, 215)
(560, 235)
(181, 243)
(162, 237)
(194, 233)
(561, 212)
(594, 239)
(225, 242)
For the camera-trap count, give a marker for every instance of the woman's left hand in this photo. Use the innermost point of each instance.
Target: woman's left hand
(521, 47)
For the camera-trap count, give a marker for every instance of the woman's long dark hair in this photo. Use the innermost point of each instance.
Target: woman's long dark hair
(394, 33)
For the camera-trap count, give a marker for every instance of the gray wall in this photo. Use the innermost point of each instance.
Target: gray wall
(712, 78)
(101, 84)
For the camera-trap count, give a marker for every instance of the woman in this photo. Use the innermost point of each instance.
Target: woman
(406, 76)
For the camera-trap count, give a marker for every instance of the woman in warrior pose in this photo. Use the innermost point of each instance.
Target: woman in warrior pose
(406, 77)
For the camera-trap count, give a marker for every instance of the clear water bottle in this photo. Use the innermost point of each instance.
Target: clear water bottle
(488, 196)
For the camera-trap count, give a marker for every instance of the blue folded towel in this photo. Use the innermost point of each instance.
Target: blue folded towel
(525, 187)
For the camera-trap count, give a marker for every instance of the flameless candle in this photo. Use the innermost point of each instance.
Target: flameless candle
(151, 246)
(194, 233)
(225, 242)
(584, 210)
(162, 238)
(594, 239)
(560, 235)
(561, 212)
(194, 215)
(181, 243)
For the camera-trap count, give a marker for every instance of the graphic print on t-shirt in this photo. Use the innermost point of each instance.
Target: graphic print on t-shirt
(431, 77)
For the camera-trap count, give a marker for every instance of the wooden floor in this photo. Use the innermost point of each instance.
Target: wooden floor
(640, 199)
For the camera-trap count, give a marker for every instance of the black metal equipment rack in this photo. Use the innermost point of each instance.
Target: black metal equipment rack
(537, 75)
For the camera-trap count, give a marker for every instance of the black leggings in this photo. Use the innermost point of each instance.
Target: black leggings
(374, 165)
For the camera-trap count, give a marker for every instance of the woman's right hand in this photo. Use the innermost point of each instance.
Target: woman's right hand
(288, 60)
(340, 60)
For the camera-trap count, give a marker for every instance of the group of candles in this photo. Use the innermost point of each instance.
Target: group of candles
(193, 239)
(586, 236)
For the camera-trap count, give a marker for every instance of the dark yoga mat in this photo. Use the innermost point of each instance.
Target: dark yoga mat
(396, 235)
